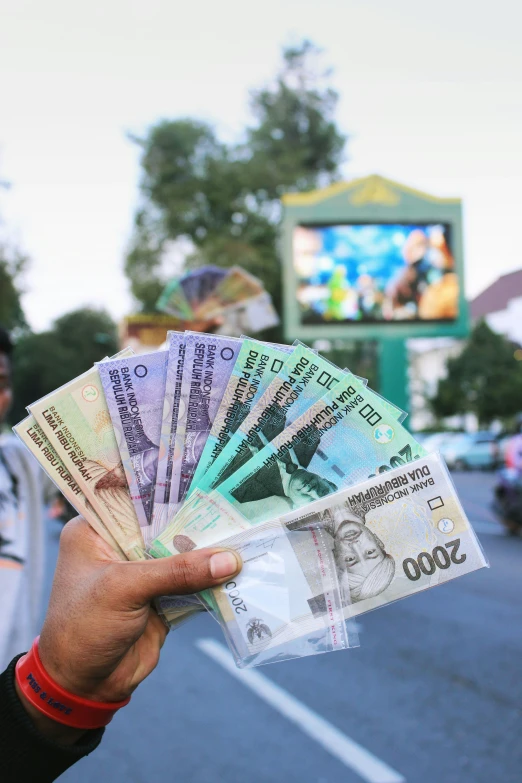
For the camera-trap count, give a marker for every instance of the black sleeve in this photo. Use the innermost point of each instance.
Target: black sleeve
(25, 754)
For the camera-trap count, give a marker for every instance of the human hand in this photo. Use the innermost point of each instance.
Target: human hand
(101, 638)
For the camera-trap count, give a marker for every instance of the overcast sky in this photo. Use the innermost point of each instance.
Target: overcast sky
(431, 94)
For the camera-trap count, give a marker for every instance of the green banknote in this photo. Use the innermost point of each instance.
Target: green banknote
(303, 379)
(307, 573)
(342, 439)
(34, 438)
(256, 366)
(76, 421)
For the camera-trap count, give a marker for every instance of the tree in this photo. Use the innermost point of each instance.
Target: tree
(485, 379)
(12, 266)
(43, 362)
(226, 198)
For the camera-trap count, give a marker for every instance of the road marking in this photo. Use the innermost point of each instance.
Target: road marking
(360, 760)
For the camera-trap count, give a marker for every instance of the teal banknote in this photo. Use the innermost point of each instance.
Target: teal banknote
(256, 367)
(343, 439)
(303, 379)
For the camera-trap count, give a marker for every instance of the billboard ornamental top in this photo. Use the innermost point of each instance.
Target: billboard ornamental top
(372, 259)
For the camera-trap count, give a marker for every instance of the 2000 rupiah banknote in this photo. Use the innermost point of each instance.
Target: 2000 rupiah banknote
(308, 572)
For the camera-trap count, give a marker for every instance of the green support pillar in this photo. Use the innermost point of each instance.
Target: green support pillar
(393, 372)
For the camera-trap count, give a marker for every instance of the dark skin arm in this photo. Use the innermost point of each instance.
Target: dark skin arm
(101, 638)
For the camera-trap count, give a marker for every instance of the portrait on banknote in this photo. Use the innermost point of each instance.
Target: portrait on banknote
(364, 568)
(111, 488)
(285, 483)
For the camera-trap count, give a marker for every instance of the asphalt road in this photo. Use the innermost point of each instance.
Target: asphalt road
(433, 695)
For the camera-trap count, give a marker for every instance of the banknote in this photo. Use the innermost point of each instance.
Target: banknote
(134, 389)
(308, 572)
(304, 378)
(201, 283)
(173, 615)
(174, 375)
(76, 421)
(236, 286)
(256, 366)
(343, 439)
(209, 361)
(35, 440)
(250, 316)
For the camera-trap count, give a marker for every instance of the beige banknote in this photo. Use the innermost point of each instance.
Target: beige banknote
(308, 572)
(76, 421)
(34, 438)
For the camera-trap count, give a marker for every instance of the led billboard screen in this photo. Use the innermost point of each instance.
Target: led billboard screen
(380, 272)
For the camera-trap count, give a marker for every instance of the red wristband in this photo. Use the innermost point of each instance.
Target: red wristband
(57, 703)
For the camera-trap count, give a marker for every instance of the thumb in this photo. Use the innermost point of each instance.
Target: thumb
(184, 574)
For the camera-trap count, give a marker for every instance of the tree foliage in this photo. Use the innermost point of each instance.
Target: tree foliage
(485, 379)
(44, 361)
(225, 197)
(11, 312)
(12, 266)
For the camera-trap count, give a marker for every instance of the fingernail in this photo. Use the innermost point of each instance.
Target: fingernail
(223, 564)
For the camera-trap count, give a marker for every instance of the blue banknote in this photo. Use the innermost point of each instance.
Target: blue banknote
(304, 378)
(134, 389)
(208, 364)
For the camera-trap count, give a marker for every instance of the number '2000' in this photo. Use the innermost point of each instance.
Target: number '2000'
(235, 598)
(441, 557)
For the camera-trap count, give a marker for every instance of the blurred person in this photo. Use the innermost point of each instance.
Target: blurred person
(368, 298)
(24, 490)
(99, 641)
(513, 457)
(408, 286)
(341, 302)
(440, 300)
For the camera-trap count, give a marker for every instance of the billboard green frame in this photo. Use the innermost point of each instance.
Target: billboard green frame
(372, 199)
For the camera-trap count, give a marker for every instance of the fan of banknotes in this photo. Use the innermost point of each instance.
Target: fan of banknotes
(234, 296)
(271, 450)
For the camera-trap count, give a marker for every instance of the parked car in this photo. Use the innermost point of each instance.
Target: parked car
(434, 441)
(473, 450)
(440, 441)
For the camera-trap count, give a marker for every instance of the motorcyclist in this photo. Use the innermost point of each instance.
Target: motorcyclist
(513, 457)
(508, 491)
